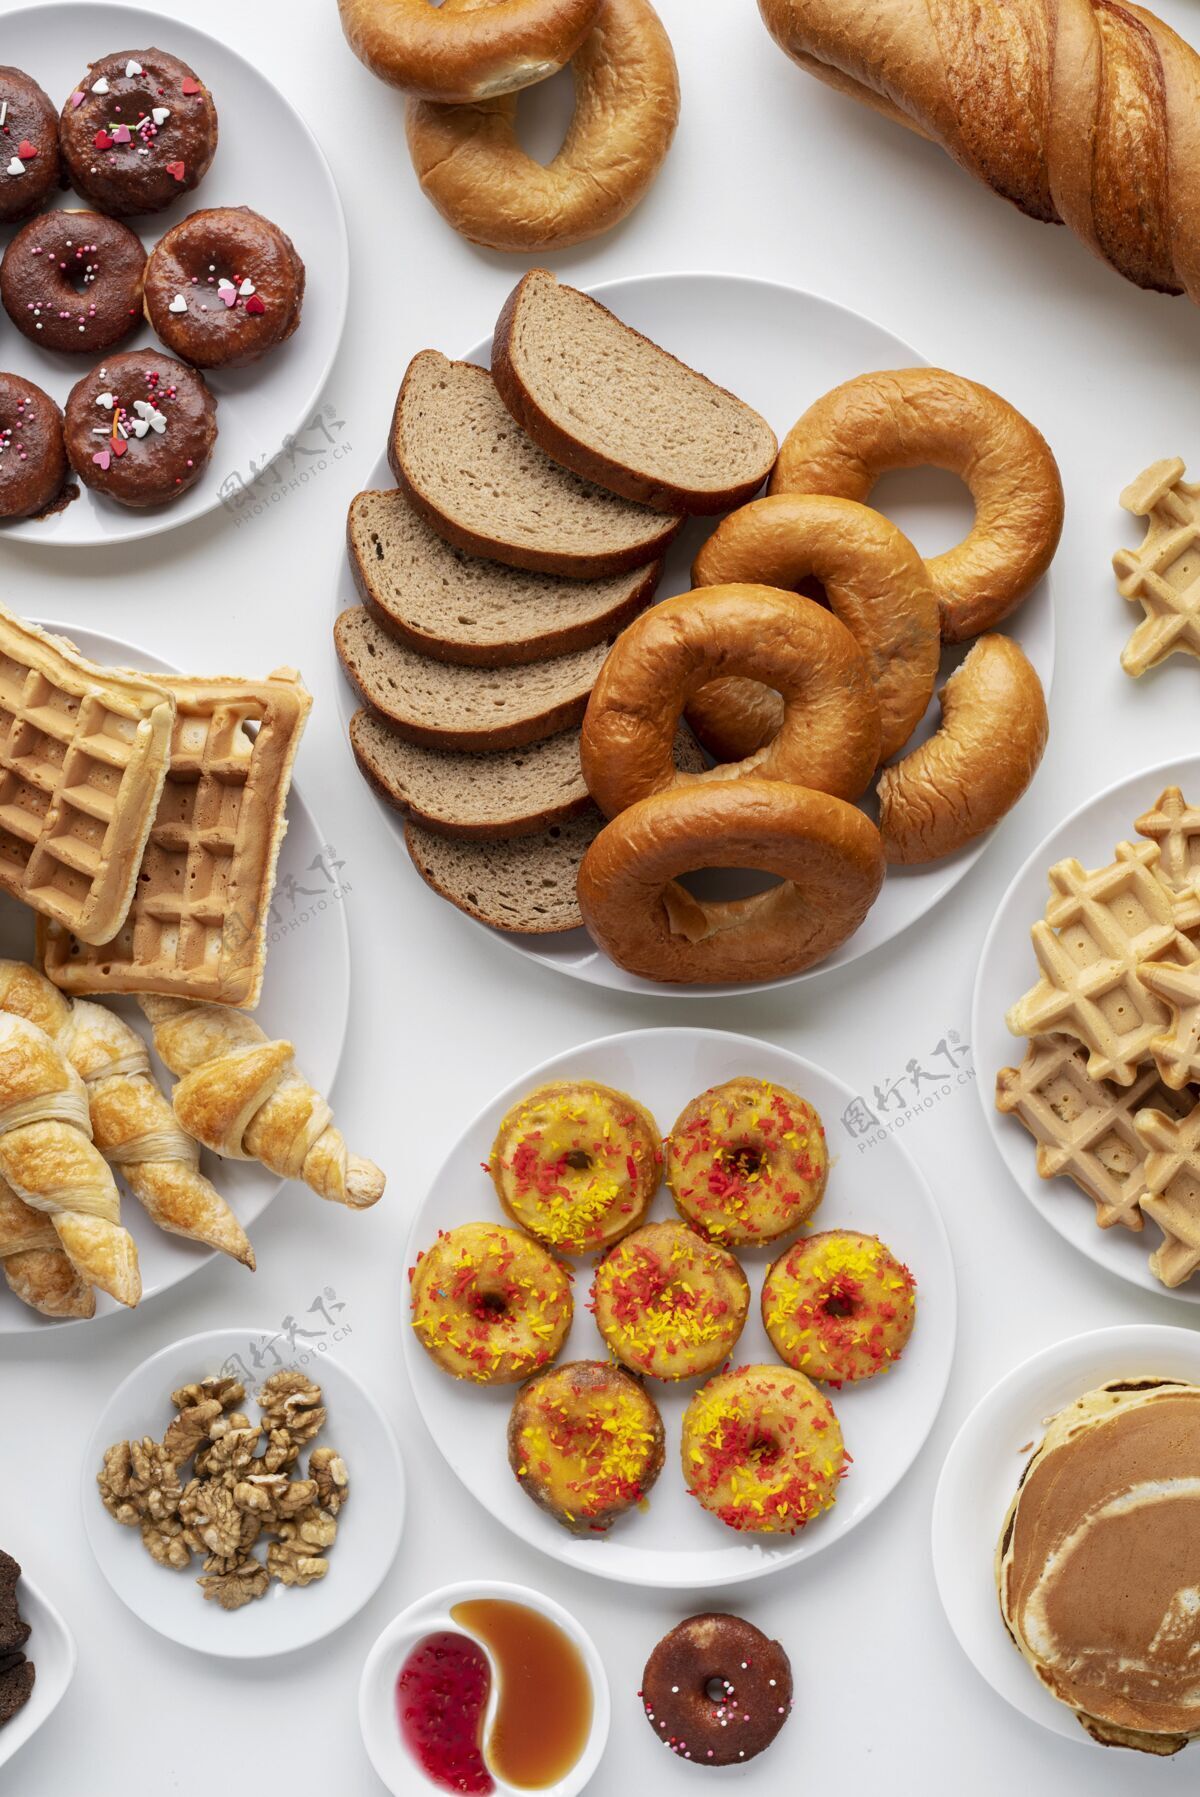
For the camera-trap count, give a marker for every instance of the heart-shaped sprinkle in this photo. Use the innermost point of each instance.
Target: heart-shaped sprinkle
(101, 86)
(138, 426)
(26, 151)
(254, 305)
(160, 114)
(176, 169)
(151, 414)
(102, 140)
(247, 287)
(105, 400)
(122, 135)
(77, 98)
(133, 68)
(178, 304)
(15, 167)
(190, 86)
(102, 459)
(119, 446)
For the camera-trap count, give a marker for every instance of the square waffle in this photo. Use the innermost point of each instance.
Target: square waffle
(197, 925)
(83, 757)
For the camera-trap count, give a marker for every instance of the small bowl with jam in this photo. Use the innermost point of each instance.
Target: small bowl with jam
(484, 1688)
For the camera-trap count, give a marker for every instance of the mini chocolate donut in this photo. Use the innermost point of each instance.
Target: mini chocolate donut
(716, 1690)
(139, 130)
(140, 428)
(33, 461)
(223, 287)
(73, 281)
(29, 158)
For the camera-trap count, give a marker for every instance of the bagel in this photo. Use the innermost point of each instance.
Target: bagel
(874, 581)
(457, 53)
(976, 766)
(829, 736)
(911, 417)
(827, 854)
(471, 166)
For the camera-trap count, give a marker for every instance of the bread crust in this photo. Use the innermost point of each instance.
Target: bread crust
(450, 54)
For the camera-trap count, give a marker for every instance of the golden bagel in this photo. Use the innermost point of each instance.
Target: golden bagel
(465, 53)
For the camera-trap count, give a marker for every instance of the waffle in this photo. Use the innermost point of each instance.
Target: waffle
(197, 925)
(83, 757)
(1172, 1197)
(1175, 826)
(1177, 1050)
(1099, 927)
(1163, 576)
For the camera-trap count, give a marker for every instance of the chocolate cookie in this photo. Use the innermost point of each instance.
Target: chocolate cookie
(33, 472)
(73, 281)
(140, 428)
(223, 287)
(716, 1690)
(139, 130)
(29, 158)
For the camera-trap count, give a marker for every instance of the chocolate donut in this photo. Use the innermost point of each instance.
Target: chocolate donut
(73, 281)
(139, 130)
(33, 461)
(29, 158)
(140, 428)
(223, 287)
(716, 1691)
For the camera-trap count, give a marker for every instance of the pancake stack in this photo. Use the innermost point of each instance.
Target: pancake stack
(1098, 1564)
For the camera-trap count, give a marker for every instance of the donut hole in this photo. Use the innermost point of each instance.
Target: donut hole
(843, 1299)
(491, 1306)
(578, 1159)
(544, 114)
(763, 1451)
(933, 507)
(716, 1689)
(746, 1160)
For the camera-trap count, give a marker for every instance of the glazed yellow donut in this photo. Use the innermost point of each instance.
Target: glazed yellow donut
(762, 1449)
(586, 1443)
(839, 1306)
(473, 169)
(747, 1161)
(576, 1164)
(668, 1303)
(465, 52)
(489, 1305)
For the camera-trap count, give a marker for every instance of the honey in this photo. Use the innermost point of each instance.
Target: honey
(544, 1709)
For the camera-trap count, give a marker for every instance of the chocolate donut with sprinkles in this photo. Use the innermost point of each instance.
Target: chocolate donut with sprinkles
(576, 1164)
(669, 1303)
(33, 461)
(489, 1305)
(585, 1442)
(29, 158)
(73, 281)
(139, 130)
(140, 428)
(839, 1306)
(716, 1690)
(747, 1162)
(762, 1449)
(223, 287)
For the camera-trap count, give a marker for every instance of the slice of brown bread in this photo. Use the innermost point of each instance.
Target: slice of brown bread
(615, 408)
(466, 609)
(14, 1632)
(485, 487)
(445, 707)
(526, 884)
(16, 1688)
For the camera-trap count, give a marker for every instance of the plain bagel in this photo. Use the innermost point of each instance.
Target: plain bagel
(828, 738)
(471, 166)
(874, 581)
(827, 855)
(465, 53)
(976, 766)
(911, 417)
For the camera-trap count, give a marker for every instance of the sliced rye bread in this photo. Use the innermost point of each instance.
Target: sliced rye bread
(14, 1631)
(616, 409)
(462, 608)
(469, 469)
(16, 1687)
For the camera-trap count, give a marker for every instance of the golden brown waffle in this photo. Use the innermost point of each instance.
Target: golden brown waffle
(1100, 927)
(1173, 1190)
(1175, 826)
(1163, 576)
(83, 757)
(197, 925)
(1177, 1050)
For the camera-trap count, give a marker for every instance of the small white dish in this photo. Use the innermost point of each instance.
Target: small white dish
(428, 1616)
(369, 1527)
(1008, 968)
(981, 1474)
(51, 1647)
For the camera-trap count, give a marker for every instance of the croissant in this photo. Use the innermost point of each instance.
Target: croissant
(48, 1159)
(37, 1270)
(242, 1095)
(1081, 112)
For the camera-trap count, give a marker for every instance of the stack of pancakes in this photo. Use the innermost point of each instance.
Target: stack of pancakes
(1098, 1564)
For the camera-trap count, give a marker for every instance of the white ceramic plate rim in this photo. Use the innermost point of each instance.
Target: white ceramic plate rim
(54, 1667)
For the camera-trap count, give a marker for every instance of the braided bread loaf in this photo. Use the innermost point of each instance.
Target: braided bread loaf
(1081, 112)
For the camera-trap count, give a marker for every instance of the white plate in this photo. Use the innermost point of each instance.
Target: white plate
(258, 408)
(305, 1000)
(778, 349)
(51, 1647)
(980, 1476)
(676, 1543)
(369, 1527)
(430, 1615)
(1008, 968)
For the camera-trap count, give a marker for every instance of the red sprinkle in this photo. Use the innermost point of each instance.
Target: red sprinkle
(176, 169)
(26, 151)
(102, 140)
(188, 86)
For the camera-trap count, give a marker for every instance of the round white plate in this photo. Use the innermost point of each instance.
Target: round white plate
(267, 158)
(369, 1527)
(778, 349)
(980, 1476)
(51, 1647)
(675, 1542)
(1008, 968)
(305, 1000)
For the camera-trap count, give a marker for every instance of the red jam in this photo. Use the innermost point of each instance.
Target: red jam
(441, 1697)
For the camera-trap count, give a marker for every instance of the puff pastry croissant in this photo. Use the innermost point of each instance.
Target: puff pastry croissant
(37, 1270)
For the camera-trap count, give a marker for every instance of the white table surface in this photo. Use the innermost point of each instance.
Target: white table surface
(773, 175)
